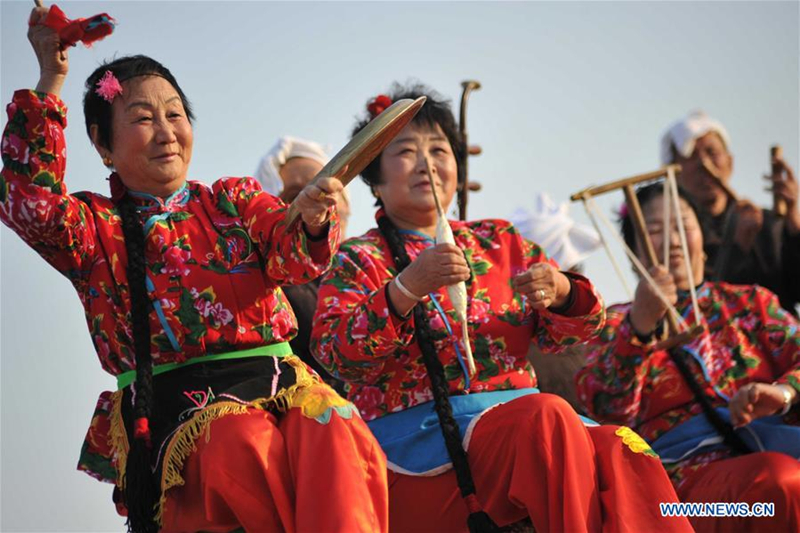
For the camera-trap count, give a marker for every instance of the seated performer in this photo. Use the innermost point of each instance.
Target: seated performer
(744, 243)
(743, 372)
(386, 324)
(215, 424)
(284, 171)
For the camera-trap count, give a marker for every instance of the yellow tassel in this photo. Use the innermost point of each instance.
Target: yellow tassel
(118, 437)
(182, 443)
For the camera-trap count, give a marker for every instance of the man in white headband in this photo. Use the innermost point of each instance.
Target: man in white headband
(288, 167)
(744, 243)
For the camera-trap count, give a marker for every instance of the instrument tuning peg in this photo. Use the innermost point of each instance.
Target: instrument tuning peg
(474, 149)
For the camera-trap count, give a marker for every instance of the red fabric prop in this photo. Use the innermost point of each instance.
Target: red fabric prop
(86, 30)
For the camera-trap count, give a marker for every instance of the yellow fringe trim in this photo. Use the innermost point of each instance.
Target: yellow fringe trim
(182, 443)
(118, 437)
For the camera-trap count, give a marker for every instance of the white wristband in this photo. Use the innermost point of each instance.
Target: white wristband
(407, 293)
(787, 398)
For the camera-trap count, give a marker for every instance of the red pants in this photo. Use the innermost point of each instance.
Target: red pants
(295, 475)
(534, 457)
(765, 477)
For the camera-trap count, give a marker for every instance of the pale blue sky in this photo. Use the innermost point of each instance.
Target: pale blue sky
(574, 93)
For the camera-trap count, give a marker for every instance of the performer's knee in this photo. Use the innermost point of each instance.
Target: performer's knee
(225, 447)
(548, 409)
(778, 477)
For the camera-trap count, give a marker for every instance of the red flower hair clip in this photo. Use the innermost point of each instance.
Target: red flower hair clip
(378, 105)
(108, 87)
(623, 211)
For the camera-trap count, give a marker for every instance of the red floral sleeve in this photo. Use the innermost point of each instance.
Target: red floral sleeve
(292, 257)
(33, 196)
(780, 335)
(354, 332)
(610, 385)
(554, 332)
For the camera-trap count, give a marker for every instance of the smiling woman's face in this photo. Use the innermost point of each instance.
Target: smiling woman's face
(404, 185)
(152, 136)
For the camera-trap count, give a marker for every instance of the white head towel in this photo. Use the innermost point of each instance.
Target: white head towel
(268, 171)
(686, 131)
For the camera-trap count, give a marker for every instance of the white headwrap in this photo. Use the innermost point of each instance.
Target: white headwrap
(268, 171)
(549, 225)
(686, 131)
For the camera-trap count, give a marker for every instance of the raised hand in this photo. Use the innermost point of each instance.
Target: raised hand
(50, 53)
(647, 309)
(315, 202)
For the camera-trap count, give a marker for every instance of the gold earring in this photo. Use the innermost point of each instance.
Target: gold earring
(108, 162)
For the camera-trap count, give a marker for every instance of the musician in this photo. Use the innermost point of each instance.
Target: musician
(744, 243)
(215, 424)
(746, 367)
(384, 324)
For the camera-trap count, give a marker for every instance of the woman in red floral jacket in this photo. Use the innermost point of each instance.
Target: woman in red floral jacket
(386, 325)
(215, 425)
(738, 440)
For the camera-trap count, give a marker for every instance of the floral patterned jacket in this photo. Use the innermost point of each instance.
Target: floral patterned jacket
(359, 340)
(216, 256)
(748, 337)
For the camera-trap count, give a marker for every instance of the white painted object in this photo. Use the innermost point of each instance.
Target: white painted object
(457, 292)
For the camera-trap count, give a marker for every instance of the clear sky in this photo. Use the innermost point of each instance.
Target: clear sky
(574, 93)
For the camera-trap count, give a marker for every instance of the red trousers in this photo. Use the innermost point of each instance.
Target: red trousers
(534, 457)
(765, 477)
(294, 474)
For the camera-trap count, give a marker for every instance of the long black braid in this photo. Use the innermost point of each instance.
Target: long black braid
(478, 521)
(732, 439)
(141, 491)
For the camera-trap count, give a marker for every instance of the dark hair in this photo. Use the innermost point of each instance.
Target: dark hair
(435, 111)
(141, 491)
(645, 195)
(97, 110)
(478, 520)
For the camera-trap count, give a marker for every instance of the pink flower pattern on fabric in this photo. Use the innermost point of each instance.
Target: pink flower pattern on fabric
(748, 338)
(356, 337)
